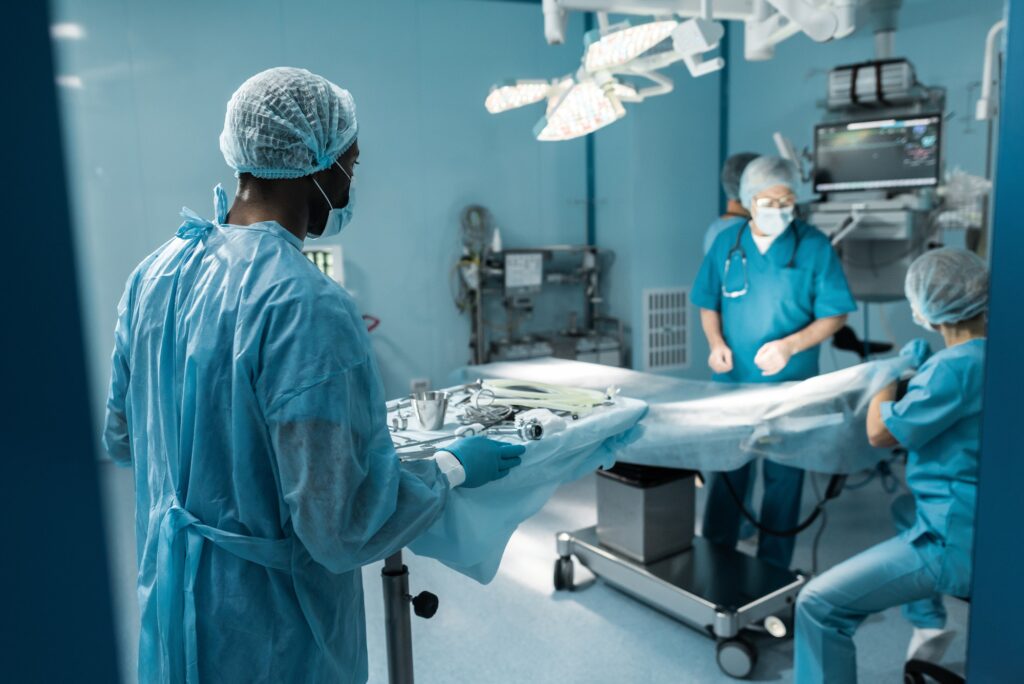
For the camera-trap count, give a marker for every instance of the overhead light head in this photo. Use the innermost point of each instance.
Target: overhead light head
(623, 45)
(512, 94)
(583, 109)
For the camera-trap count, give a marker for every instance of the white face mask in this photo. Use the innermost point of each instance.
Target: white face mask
(337, 218)
(772, 220)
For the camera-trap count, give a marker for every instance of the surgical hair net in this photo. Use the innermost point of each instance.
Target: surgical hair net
(287, 123)
(948, 285)
(731, 172)
(763, 173)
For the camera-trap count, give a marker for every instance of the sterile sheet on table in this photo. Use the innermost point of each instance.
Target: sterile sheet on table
(817, 424)
(471, 535)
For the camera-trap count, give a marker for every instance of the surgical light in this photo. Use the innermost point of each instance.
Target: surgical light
(513, 94)
(585, 108)
(623, 45)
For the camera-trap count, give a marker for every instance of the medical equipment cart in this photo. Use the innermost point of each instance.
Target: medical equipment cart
(397, 622)
(716, 590)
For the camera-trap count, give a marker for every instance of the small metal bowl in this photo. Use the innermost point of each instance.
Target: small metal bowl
(430, 408)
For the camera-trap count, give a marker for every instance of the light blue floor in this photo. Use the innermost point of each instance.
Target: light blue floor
(517, 629)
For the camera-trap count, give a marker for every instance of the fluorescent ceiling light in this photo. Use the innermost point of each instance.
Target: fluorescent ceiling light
(67, 31)
(623, 45)
(512, 94)
(70, 81)
(583, 109)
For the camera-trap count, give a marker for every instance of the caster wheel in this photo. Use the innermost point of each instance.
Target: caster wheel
(563, 573)
(737, 657)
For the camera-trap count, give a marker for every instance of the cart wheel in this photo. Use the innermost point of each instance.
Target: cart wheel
(563, 573)
(737, 657)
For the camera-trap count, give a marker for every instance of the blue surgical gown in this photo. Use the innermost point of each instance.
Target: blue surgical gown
(939, 423)
(246, 397)
(779, 301)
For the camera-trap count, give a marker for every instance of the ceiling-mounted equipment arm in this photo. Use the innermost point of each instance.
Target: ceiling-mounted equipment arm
(663, 85)
(556, 19)
(818, 23)
(723, 9)
(988, 107)
(767, 22)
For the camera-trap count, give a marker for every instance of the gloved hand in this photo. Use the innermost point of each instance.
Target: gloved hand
(720, 359)
(917, 351)
(772, 357)
(485, 460)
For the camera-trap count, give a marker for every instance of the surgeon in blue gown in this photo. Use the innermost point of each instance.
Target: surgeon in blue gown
(735, 213)
(938, 420)
(246, 397)
(770, 291)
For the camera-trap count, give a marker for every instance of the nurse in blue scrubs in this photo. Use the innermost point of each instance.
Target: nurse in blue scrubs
(770, 291)
(938, 421)
(735, 212)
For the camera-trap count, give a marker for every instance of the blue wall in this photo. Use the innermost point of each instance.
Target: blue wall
(156, 76)
(657, 190)
(143, 131)
(945, 41)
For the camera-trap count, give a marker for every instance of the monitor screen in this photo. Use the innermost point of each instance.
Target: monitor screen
(877, 155)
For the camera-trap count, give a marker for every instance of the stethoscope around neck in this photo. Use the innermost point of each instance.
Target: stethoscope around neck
(737, 249)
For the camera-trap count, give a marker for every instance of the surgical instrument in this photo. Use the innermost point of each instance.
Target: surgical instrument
(528, 431)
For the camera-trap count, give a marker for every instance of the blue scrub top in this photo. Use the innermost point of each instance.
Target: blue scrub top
(717, 226)
(939, 422)
(779, 301)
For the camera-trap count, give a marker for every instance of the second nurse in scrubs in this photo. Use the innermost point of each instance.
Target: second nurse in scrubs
(770, 291)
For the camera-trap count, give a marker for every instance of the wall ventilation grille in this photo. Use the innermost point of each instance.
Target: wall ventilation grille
(666, 329)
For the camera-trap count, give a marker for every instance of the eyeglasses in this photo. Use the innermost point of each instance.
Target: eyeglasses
(787, 202)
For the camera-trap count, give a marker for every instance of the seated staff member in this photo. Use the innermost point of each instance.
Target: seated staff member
(938, 421)
(770, 291)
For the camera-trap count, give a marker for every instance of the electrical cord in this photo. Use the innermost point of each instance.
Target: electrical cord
(882, 471)
(890, 483)
(821, 528)
(835, 486)
(817, 542)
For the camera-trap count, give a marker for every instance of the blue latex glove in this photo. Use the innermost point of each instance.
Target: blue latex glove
(917, 351)
(485, 460)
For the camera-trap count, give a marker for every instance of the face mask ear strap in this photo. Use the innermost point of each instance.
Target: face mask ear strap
(343, 170)
(328, 199)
